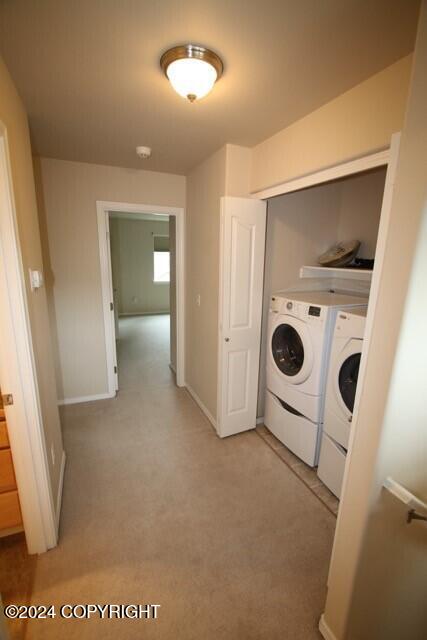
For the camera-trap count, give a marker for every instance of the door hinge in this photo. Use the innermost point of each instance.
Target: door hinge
(7, 399)
(115, 369)
(111, 306)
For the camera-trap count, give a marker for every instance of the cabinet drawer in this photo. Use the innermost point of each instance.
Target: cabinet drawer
(4, 440)
(7, 476)
(10, 512)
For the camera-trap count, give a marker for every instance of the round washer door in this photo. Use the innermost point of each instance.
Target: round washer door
(346, 373)
(291, 349)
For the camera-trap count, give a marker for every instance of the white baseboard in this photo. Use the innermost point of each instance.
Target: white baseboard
(325, 630)
(60, 489)
(260, 420)
(99, 396)
(200, 404)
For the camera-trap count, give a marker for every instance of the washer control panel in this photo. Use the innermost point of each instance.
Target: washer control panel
(314, 311)
(307, 312)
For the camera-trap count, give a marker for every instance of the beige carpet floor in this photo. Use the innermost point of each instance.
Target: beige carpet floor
(157, 509)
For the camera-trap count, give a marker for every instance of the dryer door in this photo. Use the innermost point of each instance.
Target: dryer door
(346, 373)
(291, 349)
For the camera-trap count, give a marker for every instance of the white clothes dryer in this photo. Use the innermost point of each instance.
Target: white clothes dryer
(346, 352)
(341, 388)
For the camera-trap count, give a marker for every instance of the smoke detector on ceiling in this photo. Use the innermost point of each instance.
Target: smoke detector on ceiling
(143, 152)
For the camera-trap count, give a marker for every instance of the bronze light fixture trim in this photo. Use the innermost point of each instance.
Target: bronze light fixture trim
(191, 79)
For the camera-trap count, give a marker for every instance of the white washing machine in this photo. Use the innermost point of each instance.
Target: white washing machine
(299, 335)
(341, 387)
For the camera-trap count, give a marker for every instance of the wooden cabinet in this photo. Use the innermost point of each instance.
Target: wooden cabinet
(7, 475)
(10, 512)
(4, 440)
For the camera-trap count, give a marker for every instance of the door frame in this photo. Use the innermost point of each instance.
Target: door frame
(24, 417)
(103, 209)
(341, 170)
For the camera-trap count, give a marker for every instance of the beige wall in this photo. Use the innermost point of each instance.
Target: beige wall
(360, 210)
(69, 191)
(205, 186)
(358, 122)
(237, 170)
(377, 578)
(13, 116)
(132, 246)
(226, 172)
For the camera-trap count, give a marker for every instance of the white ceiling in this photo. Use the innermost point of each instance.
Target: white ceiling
(88, 70)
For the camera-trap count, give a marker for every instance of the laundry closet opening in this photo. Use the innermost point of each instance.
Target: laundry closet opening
(302, 307)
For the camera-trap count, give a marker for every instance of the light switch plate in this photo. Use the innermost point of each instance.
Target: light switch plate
(36, 279)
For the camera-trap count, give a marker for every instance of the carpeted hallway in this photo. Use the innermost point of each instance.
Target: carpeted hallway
(157, 509)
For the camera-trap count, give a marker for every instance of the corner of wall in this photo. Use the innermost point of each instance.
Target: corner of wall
(237, 170)
(206, 185)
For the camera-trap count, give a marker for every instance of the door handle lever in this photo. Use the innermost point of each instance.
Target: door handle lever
(417, 509)
(413, 515)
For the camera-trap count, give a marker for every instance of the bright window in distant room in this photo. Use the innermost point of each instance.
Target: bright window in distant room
(161, 259)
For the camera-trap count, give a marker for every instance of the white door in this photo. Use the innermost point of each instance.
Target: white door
(242, 247)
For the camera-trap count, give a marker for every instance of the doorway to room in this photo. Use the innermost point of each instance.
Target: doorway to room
(140, 252)
(142, 280)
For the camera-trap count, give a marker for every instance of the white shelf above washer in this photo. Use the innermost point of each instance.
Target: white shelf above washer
(362, 275)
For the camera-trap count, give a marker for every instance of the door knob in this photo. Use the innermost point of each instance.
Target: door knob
(227, 339)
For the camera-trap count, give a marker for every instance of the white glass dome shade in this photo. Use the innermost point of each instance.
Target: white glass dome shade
(192, 70)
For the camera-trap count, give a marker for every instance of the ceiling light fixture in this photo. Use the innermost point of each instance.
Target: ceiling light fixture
(192, 70)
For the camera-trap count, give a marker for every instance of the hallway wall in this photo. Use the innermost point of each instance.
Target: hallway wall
(359, 121)
(206, 185)
(13, 116)
(224, 173)
(69, 191)
(132, 263)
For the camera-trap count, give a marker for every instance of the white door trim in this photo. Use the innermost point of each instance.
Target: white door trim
(103, 209)
(18, 375)
(370, 320)
(348, 168)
